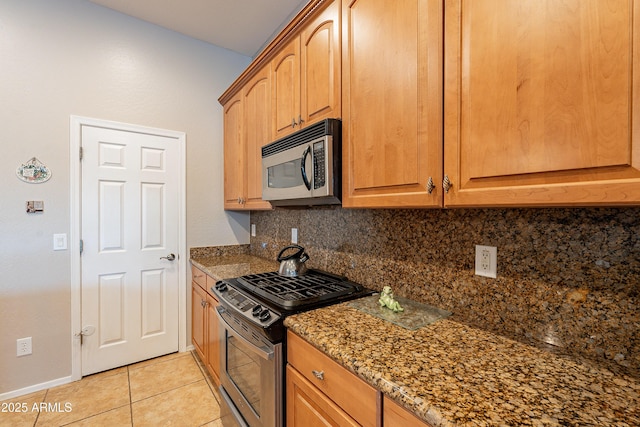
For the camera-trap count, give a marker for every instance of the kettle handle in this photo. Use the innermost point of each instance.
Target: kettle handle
(299, 253)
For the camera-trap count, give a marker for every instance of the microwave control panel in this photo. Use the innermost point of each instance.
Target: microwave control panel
(319, 172)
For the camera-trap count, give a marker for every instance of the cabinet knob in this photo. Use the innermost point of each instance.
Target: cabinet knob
(446, 184)
(430, 185)
(318, 374)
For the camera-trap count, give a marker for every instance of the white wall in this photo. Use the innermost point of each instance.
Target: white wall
(71, 57)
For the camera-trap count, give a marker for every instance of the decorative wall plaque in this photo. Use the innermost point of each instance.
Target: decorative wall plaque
(33, 171)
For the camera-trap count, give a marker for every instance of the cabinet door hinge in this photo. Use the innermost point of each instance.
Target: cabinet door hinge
(81, 153)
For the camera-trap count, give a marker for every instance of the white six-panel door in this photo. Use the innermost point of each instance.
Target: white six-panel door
(130, 210)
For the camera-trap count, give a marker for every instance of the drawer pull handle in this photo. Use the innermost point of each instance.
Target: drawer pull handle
(318, 374)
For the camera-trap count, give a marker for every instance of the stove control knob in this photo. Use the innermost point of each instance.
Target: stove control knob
(265, 315)
(256, 310)
(221, 286)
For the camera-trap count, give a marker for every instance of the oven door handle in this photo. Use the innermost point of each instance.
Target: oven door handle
(264, 352)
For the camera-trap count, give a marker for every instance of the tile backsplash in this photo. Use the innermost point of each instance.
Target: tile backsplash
(568, 279)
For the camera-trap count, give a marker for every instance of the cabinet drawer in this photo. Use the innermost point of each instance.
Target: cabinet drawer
(353, 395)
(199, 277)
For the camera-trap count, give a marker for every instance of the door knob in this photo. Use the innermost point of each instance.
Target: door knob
(169, 257)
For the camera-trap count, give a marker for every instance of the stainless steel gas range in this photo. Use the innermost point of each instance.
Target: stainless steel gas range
(252, 334)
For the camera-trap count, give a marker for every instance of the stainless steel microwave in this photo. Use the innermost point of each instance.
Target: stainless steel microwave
(305, 167)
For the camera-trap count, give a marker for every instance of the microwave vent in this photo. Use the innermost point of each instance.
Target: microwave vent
(304, 136)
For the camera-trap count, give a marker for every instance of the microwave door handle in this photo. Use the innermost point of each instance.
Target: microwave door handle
(303, 168)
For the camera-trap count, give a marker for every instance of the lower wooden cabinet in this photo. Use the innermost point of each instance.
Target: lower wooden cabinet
(321, 392)
(198, 325)
(204, 322)
(213, 339)
(318, 387)
(395, 415)
(308, 406)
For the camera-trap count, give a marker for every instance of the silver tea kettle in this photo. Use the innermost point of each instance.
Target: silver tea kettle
(292, 265)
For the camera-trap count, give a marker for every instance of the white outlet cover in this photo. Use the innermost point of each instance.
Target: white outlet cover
(294, 236)
(24, 347)
(490, 267)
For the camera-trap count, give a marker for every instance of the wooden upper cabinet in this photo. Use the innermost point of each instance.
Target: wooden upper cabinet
(392, 103)
(234, 164)
(247, 127)
(286, 89)
(539, 101)
(320, 67)
(257, 125)
(306, 74)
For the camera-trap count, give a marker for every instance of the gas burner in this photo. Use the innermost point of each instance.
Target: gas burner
(295, 292)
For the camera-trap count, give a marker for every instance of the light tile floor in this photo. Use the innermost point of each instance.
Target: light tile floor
(172, 390)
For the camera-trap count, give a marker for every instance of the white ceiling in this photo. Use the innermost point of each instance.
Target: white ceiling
(244, 26)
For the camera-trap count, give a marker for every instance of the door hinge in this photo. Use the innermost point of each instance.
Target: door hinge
(81, 153)
(81, 246)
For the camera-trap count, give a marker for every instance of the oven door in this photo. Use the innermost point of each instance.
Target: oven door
(250, 374)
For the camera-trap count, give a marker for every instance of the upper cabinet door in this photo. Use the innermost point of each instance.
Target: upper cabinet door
(539, 101)
(257, 125)
(234, 165)
(286, 89)
(320, 67)
(392, 103)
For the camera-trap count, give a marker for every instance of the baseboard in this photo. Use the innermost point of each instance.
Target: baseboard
(36, 387)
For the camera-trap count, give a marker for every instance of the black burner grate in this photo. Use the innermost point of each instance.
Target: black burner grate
(296, 292)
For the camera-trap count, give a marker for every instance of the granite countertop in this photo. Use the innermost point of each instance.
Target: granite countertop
(228, 266)
(451, 374)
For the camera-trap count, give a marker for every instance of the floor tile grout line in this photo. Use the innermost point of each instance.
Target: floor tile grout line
(152, 362)
(167, 391)
(44, 399)
(130, 398)
(91, 416)
(206, 376)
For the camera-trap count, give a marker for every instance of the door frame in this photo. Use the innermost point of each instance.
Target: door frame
(75, 176)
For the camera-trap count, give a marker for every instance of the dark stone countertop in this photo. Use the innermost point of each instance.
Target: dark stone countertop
(228, 266)
(451, 374)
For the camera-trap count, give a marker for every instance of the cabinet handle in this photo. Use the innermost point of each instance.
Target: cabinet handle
(318, 374)
(446, 184)
(293, 122)
(203, 303)
(300, 121)
(430, 186)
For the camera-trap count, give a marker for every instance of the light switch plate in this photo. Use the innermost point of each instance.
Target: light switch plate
(59, 242)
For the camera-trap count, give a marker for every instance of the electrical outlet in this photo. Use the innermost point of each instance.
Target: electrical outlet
(24, 346)
(253, 230)
(486, 261)
(294, 236)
